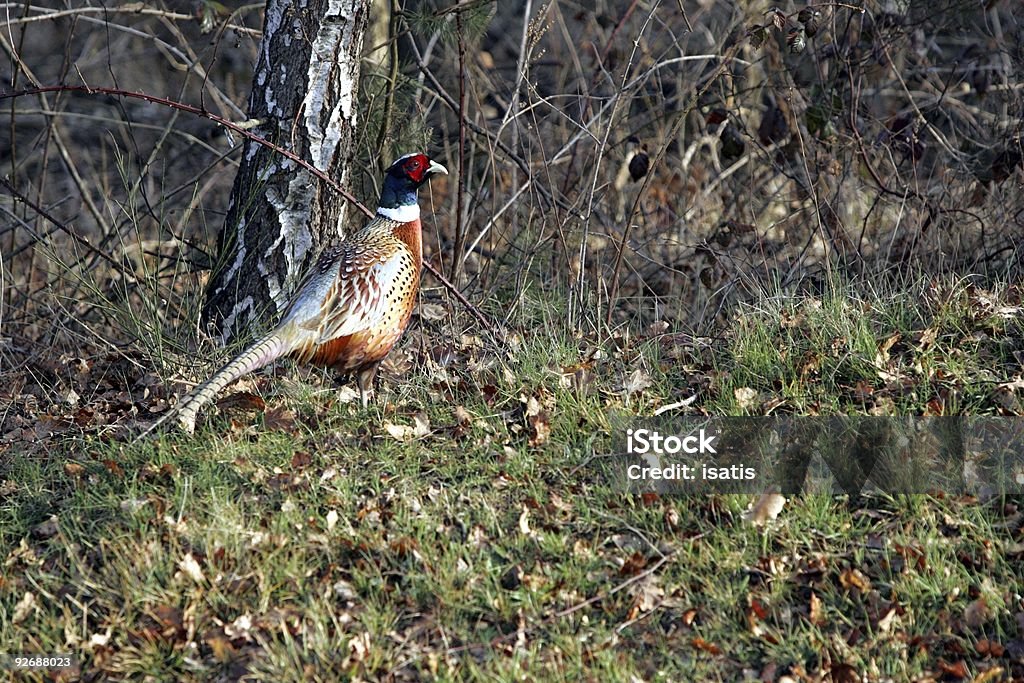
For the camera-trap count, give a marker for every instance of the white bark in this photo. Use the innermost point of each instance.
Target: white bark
(304, 88)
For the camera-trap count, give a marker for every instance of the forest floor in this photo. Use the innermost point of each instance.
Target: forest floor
(456, 530)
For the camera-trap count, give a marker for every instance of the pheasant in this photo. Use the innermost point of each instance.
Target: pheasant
(354, 305)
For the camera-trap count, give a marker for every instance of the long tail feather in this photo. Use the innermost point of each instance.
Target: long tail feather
(263, 352)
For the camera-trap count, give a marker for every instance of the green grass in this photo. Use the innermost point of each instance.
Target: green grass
(318, 546)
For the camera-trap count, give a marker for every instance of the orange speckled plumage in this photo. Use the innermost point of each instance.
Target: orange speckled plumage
(373, 296)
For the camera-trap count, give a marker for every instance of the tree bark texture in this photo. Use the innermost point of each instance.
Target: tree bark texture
(304, 97)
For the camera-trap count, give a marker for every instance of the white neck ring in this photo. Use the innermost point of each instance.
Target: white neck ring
(400, 214)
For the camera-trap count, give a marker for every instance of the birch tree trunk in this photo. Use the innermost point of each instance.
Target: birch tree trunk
(304, 97)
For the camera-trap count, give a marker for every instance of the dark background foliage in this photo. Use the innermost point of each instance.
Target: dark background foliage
(888, 144)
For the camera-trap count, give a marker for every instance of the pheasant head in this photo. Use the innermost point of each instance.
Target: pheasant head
(402, 179)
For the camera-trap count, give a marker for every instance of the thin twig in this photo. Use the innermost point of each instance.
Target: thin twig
(244, 131)
(240, 129)
(460, 227)
(63, 227)
(655, 162)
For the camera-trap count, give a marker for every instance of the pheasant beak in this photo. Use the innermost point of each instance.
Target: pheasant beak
(436, 168)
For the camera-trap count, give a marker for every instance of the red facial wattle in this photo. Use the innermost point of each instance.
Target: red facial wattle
(416, 167)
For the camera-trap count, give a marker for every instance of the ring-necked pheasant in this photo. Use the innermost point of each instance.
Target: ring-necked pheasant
(353, 307)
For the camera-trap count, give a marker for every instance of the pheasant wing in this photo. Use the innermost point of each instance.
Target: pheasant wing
(361, 299)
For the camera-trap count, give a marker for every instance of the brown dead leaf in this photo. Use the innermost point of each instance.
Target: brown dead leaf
(419, 428)
(23, 610)
(863, 390)
(994, 674)
(190, 567)
(462, 415)
(540, 429)
(854, 578)
(746, 398)
(766, 509)
(637, 381)
(114, 468)
(957, 669)
(633, 565)
(220, 646)
(432, 312)
(710, 648)
(986, 647)
(843, 673)
(405, 545)
(814, 610)
(171, 620)
(73, 470)
(242, 400)
(977, 613)
(756, 613)
(579, 376)
(280, 419)
(926, 338)
(647, 595)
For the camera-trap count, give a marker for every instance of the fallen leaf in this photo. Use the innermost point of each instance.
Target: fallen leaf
(814, 610)
(433, 312)
(170, 618)
(746, 398)
(533, 406)
(301, 460)
(280, 419)
(133, 505)
(242, 400)
(854, 578)
(990, 676)
(704, 645)
(73, 470)
(24, 608)
(766, 509)
(977, 613)
(540, 429)
(647, 595)
(524, 522)
(885, 346)
(190, 566)
(46, 529)
(633, 565)
(347, 394)
(885, 622)
(957, 670)
(843, 673)
(657, 327)
(986, 647)
(220, 646)
(419, 428)
(637, 381)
